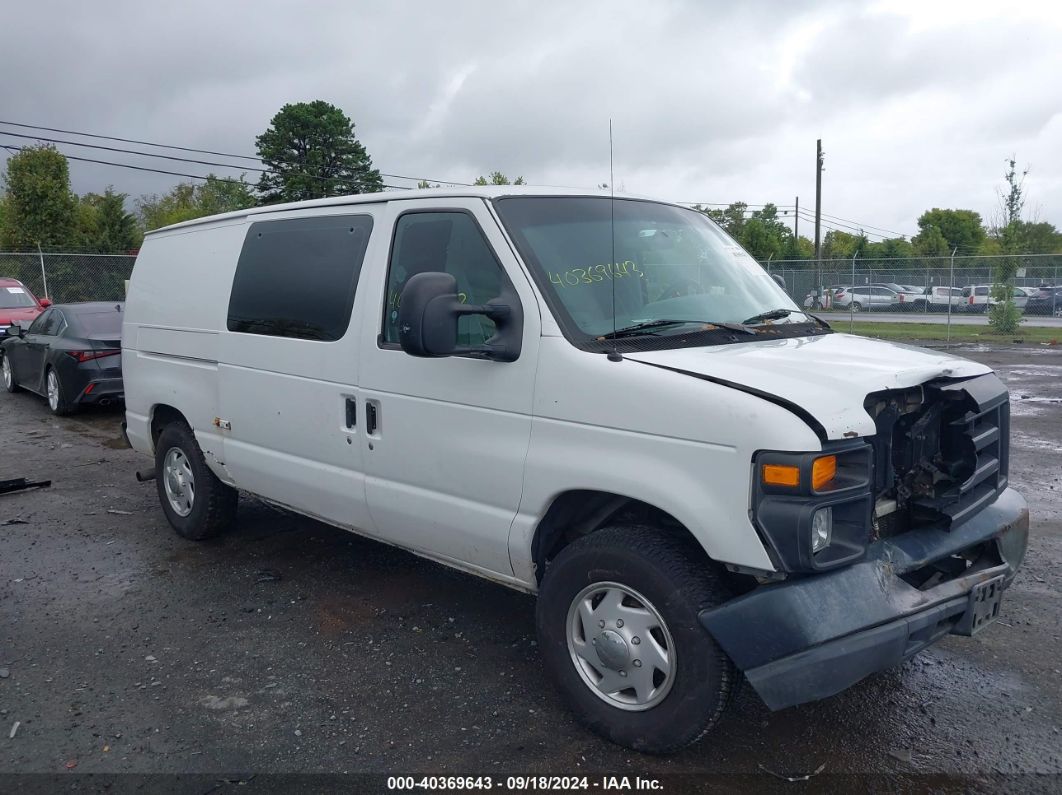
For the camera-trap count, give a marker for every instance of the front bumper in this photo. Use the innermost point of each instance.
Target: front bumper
(809, 638)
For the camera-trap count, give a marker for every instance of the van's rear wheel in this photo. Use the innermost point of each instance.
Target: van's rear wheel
(196, 503)
(617, 623)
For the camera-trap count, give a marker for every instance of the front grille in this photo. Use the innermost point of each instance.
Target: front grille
(941, 451)
(987, 432)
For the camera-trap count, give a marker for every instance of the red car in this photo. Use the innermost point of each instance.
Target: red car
(18, 303)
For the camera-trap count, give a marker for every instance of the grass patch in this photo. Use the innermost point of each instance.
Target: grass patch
(938, 332)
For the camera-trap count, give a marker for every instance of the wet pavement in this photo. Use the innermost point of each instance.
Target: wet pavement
(289, 646)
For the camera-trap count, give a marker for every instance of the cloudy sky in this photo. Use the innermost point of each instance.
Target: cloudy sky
(918, 102)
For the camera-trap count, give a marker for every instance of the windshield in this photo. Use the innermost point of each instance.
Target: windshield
(15, 298)
(670, 264)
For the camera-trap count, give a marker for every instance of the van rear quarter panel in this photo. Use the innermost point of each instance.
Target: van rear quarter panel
(175, 311)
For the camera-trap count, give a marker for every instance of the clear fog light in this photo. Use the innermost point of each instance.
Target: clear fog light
(821, 529)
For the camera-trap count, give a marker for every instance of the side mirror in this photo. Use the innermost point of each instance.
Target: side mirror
(779, 281)
(20, 330)
(430, 309)
(45, 302)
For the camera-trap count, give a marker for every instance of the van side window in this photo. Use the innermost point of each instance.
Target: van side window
(297, 277)
(451, 242)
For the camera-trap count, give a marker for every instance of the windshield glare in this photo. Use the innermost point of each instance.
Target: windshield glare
(15, 298)
(670, 263)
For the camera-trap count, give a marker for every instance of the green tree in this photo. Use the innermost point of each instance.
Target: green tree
(960, 229)
(40, 209)
(311, 151)
(498, 178)
(761, 232)
(930, 242)
(118, 230)
(1004, 316)
(842, 245)
(187, 201)
(890, 248)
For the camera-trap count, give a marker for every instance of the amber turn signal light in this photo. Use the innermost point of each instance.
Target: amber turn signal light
(781, 475)
(823, 471)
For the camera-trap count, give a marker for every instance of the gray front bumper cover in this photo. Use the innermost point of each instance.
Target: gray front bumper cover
(809, 638)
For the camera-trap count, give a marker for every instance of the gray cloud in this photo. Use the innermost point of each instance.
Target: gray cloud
(709, 102)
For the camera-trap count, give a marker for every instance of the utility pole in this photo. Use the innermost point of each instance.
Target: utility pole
(818, 198)
(796, 220)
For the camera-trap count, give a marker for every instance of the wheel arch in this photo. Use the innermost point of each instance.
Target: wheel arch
(580, 512)
(161, 416)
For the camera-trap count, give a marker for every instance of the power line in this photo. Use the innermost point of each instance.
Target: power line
(191, 149)
(163, 171)
(864, 226)
(134, 152)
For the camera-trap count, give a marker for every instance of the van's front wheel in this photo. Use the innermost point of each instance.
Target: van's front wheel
(617, 624)
(196, 503)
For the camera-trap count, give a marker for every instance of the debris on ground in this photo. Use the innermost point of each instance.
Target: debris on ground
(20, 484)
(14, 730)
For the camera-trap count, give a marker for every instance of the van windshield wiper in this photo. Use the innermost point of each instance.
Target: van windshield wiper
(778, 314)
(649, 326)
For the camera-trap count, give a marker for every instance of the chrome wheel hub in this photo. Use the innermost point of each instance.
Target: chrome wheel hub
(53, 390)
(8, 377)
(620, 646)
(178, 481)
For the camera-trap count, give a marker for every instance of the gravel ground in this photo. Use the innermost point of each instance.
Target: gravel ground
(288, 646)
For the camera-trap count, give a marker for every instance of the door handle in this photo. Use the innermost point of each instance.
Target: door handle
(372, 417)
(352, 413)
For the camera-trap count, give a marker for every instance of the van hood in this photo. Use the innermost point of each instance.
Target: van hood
(823, 378)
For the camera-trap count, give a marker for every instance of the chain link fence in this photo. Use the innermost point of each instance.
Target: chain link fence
(807, 280)
(69, 278)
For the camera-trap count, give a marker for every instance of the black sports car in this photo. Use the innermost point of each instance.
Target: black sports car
(70, 354)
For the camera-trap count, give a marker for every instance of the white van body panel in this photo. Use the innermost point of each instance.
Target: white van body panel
(177, 300)
(806, 372)
(446, 464)
(680, 444)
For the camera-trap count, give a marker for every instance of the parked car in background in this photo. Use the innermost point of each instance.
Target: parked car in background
(867, 298)
(975, 297)
(1045, 301)
(18, 303)
(906, 297)
(978, 298)
(937, 299)
(817, 301)
(70, 354)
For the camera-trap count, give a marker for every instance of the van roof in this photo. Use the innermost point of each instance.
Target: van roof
(482, 192)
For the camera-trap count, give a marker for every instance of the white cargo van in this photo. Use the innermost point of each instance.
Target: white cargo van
(604, 401)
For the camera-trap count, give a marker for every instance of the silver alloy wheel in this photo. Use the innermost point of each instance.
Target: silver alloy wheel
(9, 377)
(53, 391)
(620, 646)
(178, 480)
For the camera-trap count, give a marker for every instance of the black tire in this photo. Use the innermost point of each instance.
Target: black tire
(63, 407)
(213, 507)
(857, 307)
(673, 576)
(10, 384)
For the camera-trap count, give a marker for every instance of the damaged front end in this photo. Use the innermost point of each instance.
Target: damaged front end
(943, 539)
(940, 452)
